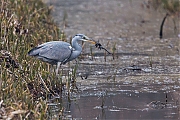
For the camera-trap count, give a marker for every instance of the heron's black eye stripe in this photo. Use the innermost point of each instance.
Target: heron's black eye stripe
(80, 36)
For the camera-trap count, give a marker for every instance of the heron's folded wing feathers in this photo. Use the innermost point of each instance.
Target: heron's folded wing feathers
(55, 50)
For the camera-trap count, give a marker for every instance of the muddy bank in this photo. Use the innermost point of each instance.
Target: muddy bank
(129, 26)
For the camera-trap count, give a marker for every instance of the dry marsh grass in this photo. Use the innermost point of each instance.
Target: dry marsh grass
(24, 24)
(171, 8)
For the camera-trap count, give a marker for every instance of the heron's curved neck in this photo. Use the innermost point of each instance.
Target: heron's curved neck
(76, 46)
(77, 50)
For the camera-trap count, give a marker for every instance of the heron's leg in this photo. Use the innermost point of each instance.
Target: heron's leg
(58, 66)
(52, 68)
(76, 61)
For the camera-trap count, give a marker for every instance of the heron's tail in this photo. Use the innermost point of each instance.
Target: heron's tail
(34, 51)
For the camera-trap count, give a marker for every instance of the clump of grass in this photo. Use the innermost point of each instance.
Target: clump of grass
(113, 50)
(171, 7)
(91, 53)
(24, 24)
(65, 23)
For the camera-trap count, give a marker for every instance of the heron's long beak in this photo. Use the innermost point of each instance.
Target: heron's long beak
(89, 40)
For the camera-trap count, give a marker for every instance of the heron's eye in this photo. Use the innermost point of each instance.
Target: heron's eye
(83, 37)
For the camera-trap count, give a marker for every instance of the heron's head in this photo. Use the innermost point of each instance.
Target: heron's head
(82, 37)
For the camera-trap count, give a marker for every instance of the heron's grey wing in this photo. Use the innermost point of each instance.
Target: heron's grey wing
(55, 51)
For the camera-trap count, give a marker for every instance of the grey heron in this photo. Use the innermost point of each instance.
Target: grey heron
(59, 52)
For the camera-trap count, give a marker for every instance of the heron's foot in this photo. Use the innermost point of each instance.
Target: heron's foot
(76, 61)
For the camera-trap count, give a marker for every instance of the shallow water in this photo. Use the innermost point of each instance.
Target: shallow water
(140, 82)
(122, 100)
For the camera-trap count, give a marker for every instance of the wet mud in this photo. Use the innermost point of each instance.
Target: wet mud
(141, 79)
